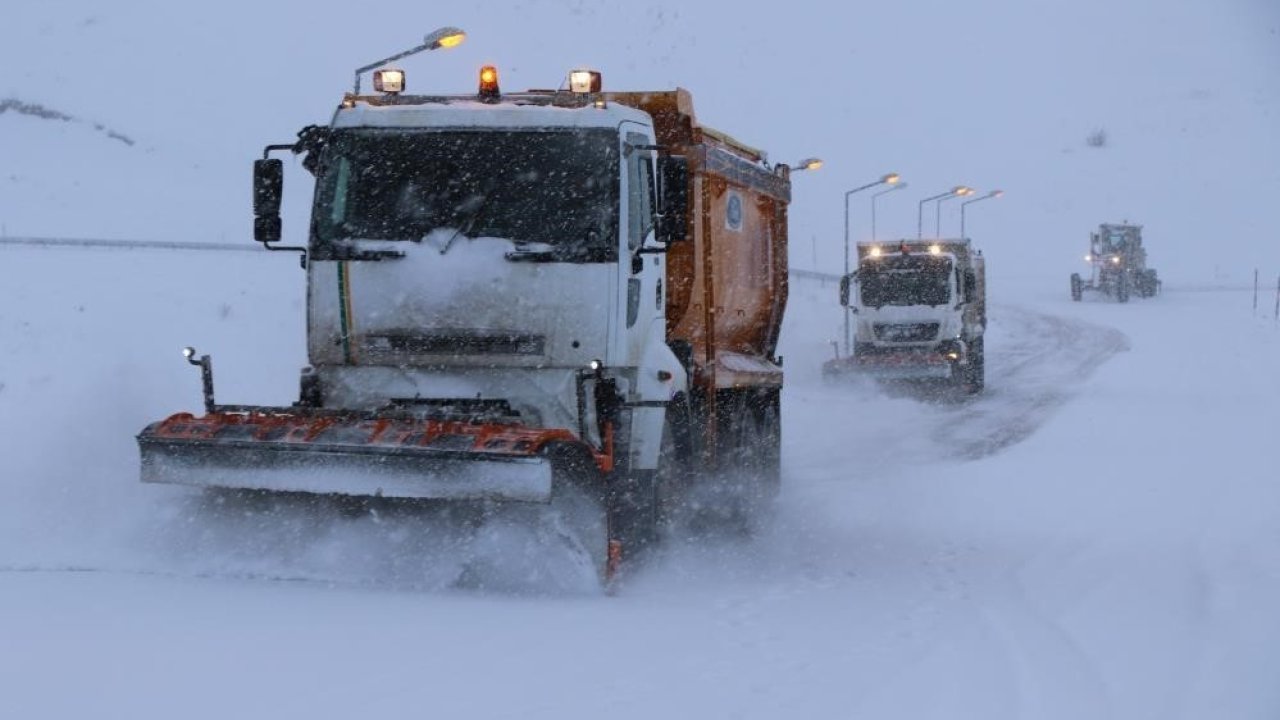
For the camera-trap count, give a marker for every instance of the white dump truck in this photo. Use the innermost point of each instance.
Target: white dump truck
(919, 312)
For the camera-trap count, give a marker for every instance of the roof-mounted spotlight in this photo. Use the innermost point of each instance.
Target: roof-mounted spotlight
(584, 81)
(389, 81)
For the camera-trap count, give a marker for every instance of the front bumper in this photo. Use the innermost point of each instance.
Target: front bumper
(901, 363)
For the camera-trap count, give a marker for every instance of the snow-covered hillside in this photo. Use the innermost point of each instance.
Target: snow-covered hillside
(1096, 536)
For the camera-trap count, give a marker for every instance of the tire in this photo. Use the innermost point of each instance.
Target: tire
(675, 463)
(1077, 287)
(977, 367)
(642, 502)
(769, 423)
(765, 444)
(579, 498)
(752, 443)
(969, 378)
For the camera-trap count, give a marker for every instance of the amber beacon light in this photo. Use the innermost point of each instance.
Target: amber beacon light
(489, 84)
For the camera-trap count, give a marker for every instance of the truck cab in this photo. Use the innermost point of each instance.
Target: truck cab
(460, 249)
(919, 312)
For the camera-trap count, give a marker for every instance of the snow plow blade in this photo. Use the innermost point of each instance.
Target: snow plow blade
(360, 454)
(903, 365)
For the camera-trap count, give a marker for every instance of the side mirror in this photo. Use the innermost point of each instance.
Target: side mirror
(970, 285)
(268, 189)
(673, 198)
(844, 289)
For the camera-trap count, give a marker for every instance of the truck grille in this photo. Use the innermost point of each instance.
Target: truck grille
(906, 332)
(455, 343)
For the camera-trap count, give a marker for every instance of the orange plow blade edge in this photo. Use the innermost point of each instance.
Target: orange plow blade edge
(361, 454)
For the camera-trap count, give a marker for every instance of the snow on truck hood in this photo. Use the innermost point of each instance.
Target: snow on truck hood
(450, 280)
(450, 286)
(467, 113)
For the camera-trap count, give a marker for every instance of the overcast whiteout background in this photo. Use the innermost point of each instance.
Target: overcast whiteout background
(1097, 536)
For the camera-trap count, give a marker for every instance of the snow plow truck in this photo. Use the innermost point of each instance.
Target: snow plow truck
(920, 313)
(568, 296)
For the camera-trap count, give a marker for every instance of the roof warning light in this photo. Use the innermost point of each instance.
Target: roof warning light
(489, 84)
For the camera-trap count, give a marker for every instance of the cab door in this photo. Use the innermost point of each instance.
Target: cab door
(640, 274)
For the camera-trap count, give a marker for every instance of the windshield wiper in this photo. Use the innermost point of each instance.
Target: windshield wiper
(475, 205)
(527, 251)
(532, 251)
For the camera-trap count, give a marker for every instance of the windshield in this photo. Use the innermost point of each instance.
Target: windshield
(556, 188)
(905, 280)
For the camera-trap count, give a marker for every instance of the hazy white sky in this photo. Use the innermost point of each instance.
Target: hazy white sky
(995, 94)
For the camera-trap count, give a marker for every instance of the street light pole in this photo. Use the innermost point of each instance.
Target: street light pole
(988, 196)
(919, 213)
(919, 210)
(937, 220)
(889, 179)
(899, 186)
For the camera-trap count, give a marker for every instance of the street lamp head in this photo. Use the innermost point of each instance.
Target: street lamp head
(445, 37)
(891, 179)
(812, 163)
(995, 193)
(961, 190)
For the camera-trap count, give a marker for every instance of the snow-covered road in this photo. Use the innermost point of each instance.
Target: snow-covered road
(1096, 536)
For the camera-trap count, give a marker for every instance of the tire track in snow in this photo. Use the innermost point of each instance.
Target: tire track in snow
(1036, 369)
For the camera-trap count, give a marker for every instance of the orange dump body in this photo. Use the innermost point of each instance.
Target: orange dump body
(727, 284)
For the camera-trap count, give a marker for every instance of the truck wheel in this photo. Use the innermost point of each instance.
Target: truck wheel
(633, 511)
(769, 426)
(977, 380)
(675, 463)
(1122, 287)
(580, 498)
(1077, 287)
(754, 447)
(642, 502)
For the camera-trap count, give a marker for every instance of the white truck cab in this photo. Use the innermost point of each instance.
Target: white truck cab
(919, 312)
